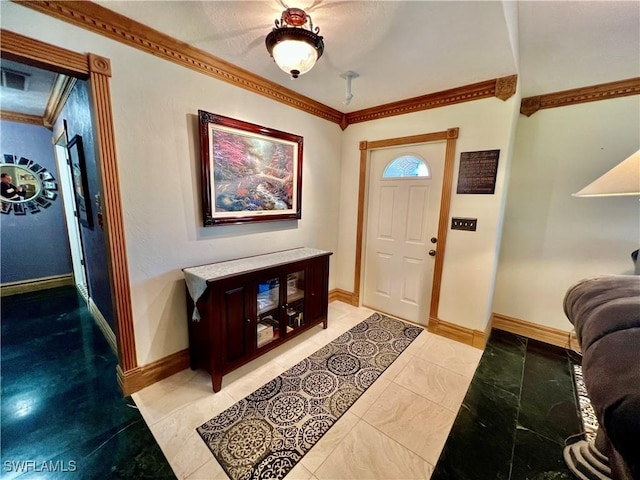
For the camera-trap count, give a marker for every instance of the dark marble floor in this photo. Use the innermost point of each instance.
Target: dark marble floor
(63, 415)
(518, 411)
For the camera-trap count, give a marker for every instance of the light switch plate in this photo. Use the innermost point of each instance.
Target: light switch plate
(459, 223)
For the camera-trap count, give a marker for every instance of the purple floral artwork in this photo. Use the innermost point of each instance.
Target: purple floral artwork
(252, 174)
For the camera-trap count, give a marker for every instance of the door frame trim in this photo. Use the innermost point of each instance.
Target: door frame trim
(96, 70)
(450, 136)
(59, 142)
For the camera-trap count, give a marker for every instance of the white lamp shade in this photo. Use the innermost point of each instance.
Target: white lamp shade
(623, 179)
(292, 55)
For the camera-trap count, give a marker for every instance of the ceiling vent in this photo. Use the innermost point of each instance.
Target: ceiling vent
(15, 80)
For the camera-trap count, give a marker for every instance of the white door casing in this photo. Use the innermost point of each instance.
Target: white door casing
(402, 217)
(73, 227)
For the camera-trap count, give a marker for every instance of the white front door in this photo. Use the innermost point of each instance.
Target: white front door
(402, 218)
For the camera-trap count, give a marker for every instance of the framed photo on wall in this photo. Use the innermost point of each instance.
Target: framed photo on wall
(80, 181)
(250, 173)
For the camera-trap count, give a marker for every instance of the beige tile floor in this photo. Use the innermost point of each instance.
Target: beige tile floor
(396, 429)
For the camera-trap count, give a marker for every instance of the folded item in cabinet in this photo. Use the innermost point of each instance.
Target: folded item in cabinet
(265, 303)
(265, 334)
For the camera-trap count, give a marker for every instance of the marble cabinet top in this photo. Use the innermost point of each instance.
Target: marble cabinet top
(197, 277)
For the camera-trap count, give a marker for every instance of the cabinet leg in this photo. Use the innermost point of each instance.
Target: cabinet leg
(325, 324)
(216, 382)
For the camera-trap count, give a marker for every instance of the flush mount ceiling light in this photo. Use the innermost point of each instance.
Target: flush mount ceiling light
(294, 43)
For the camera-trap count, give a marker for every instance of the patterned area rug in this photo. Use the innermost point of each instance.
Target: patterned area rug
(588, 414)
(266, 433)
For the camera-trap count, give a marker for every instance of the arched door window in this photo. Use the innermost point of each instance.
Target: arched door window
(407, 166)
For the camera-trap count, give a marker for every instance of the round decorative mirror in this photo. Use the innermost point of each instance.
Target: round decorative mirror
(26, 186)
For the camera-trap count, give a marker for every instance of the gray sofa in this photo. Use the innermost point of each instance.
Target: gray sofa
(605, 312)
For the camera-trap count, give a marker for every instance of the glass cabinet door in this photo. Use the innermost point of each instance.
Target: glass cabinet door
(268, 325)
(294, 308)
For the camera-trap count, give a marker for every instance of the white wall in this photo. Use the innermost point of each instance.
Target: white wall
(551, 239)
(471, 257)
(155, 105)
(510, 10)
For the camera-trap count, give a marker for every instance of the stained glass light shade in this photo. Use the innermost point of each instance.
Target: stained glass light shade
(406, 166)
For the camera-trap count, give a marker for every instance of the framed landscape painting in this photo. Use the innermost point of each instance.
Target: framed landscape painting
(250, 173)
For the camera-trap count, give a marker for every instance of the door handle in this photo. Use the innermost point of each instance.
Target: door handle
(432, 253)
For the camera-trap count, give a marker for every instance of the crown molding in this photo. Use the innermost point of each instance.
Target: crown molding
(21, 118)
(105, 22)
(603, 91)
(505, 87)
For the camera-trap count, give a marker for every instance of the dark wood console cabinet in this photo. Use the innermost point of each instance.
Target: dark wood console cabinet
(246, 307)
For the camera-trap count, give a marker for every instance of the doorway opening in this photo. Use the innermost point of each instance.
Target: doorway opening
(96, 71)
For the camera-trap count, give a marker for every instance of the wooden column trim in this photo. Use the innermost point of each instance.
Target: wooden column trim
(100, 71)
(362, 185)
(443, 222)
(99, 65)
(450, 136)
(574, 96)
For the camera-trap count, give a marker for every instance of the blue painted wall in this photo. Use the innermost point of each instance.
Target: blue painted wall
(78, 116)
(33, 245)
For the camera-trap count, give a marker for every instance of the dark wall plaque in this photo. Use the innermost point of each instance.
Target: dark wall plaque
(478, 172)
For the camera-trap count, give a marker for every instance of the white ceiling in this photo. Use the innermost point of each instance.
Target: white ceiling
(34, 100)
(403, 49)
